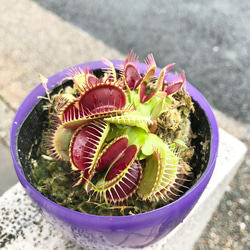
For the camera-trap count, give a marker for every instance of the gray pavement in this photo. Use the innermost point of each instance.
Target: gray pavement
(7, 172)
(208, 39)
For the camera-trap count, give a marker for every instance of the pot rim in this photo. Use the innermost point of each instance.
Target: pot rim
(56, 79)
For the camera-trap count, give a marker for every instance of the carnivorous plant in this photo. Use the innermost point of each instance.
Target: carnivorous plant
(111, 131)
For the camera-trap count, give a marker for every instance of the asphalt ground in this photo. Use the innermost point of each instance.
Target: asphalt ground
(208, 39)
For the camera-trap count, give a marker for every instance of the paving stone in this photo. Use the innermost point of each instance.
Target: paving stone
(8, 176)
(40, 42)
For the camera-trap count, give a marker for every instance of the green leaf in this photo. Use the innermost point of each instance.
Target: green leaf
(115, 131)
(136, 136)
(168, 100)
(182, 143)
(130, 119)
(151, 141)
(158, 107)
(150, 176)
(159, 174)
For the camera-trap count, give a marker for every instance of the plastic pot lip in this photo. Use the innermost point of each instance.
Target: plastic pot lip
(57, 78)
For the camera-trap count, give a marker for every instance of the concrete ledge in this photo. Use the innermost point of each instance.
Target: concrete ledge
(230, 156)
(22, 226)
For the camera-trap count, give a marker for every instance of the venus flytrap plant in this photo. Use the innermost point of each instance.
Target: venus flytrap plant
(107, 129)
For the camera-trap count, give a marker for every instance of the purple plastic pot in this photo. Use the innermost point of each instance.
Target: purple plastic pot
(100, 232)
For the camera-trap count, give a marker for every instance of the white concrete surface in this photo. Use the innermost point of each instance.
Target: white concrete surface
(22, 226)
